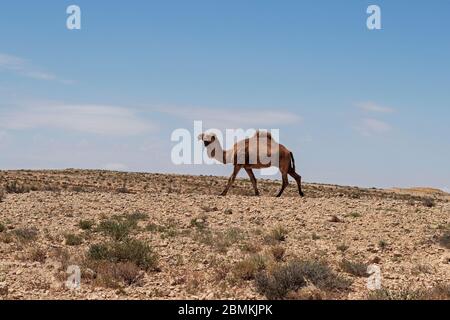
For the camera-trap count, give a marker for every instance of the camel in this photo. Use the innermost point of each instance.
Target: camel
(251, 149)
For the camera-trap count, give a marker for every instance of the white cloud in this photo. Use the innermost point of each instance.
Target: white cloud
(115, 167)
(25, 68)
(234, 118)
(94, 119)
(373, 107)
(370, 126)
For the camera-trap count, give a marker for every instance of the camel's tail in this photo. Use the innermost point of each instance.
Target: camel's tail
(292, 161)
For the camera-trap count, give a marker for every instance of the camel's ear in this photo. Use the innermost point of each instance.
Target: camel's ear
(213, 138)
(200, 136)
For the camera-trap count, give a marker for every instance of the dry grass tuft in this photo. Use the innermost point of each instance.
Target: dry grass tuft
(355, 268)
(248, 268)
(294, 275)
(438, 292)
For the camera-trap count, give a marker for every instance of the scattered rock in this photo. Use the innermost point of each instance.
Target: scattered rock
(335, 218)
(375, 259)
(200, 237)
(3, 289)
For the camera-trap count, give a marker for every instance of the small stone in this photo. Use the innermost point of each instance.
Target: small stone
(228, 211)
(3, 289)
(89, 273)
(335, 219)
(375, 259)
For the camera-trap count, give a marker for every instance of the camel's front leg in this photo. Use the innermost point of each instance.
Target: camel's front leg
(284, 185)
(231, 180)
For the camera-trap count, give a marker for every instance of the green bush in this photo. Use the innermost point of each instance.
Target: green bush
(86, 224)
(73, 239)
(358, 269)
(130, 250)
(25, 234)
(277, 283)
(444, 239)
(248, 268)
(117, 229)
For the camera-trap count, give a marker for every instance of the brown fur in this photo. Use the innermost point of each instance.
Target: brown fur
(249, 148)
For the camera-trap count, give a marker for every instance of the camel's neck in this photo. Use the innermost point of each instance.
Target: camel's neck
(215, 151)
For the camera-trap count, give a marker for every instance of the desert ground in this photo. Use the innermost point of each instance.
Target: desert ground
(156, 236)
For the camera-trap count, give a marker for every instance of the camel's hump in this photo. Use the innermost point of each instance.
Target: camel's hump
(263, 134)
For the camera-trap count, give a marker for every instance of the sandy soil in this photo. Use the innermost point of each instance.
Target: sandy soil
(396, 229)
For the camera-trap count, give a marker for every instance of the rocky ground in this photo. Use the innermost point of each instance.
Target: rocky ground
(154, 236)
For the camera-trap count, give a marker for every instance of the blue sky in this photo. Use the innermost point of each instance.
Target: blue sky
(356, 107)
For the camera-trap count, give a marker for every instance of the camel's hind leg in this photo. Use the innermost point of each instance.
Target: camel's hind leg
(253, 180)
(284, 185)
(298, 179)
(231, 180)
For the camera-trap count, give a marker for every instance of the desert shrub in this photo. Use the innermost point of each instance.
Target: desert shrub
(128, 272)
(135, 251)
(113, 275)
(167, 230)
(47, 187)
(342, 247)
(234, 235)
(438, 292)
(79, 188)
(251, 247)
(248, 268)
(130, 250)
(37, 255)
(278, 234)
(383, 244)
(278, 252)
(86, 224)
(277, 283)
(6, 237)
(62, 255)
(25, 234)
(98, 252)
(2, 227)
(117, 228)
(444, 238)
(358, 269)
(152, 227)
(123, 188)
(73, 239)
(136, 216)
(14, 187)
(2, 194)
(422, 269)
(428, 202)
(223, 240)
(220, 240)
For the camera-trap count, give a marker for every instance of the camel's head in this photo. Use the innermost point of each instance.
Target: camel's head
(207, 138)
